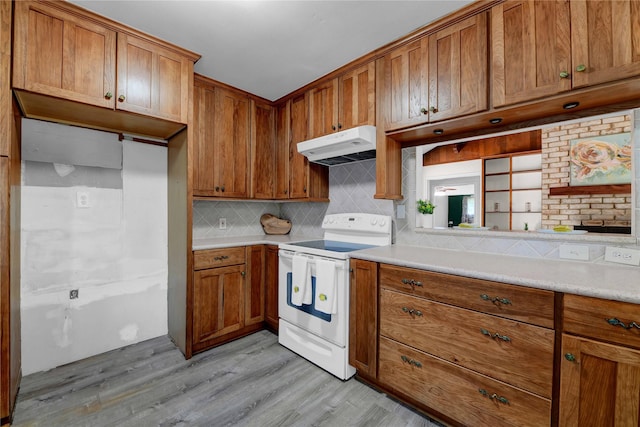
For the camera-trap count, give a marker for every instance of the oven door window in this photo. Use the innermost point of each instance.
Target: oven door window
(307, 308)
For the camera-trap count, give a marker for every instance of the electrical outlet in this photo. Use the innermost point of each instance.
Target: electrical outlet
(579, 252)
(222, 224)
(82, 199)
(622, 255)
(74, 293)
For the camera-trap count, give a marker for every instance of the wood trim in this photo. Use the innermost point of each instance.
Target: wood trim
(590, 189)
(208, 81)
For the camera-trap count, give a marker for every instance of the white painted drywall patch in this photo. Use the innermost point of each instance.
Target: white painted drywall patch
(114, 252)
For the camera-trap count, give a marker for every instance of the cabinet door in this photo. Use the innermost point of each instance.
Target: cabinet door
(231, 144)
(271, 284)
(254, 297)
(599, 384)
(323, 109)
(357, 97)
(203, 148)
(605, 42)
(299, 165)
(458, 69)
(405, 86)
(218, 302)
(363, 317)
(263, 150)
(531, 44)
(62, 55)
(152, 80)
(283, 144)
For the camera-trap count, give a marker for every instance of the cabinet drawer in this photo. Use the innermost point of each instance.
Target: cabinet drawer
(516, 353)
(514, 302)
(612, 321)
(218, 257)
(467, 397)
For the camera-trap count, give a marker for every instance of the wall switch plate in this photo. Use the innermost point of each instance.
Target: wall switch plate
(622, 255)
(74, 293)
(222, 224)
(82, 199)
(579, 252)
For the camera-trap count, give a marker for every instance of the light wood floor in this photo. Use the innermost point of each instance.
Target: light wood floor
(252, 381)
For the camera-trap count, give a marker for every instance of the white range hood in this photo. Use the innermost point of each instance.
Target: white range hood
(346, 146)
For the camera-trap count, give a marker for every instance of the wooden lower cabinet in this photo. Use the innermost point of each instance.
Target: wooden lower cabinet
(228, 294)
(363, 318)
(271, 288)
(463, 395)
(600, 384)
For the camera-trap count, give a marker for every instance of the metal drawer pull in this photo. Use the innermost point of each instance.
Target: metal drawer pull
(220, 258)
(495, 335)
(415, 363)
(616, 322)
(570, 357)
(496, 300)
(412, 311)
(493, 396)
(411, 282)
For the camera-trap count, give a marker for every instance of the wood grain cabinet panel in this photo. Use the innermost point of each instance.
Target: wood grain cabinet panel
(531, 47)
(514, 352)
(599, 385)
(357, 97)
(152, 80)
(283, 150)
(211, 258)
(218, 297)
(405, 92)
(520, 303)
(463, 395)
(263, 150)
(62, 55)
(323, 109)
(458, 73)
(605, 41)
(255, 289)
(363, 318)
(271, 284)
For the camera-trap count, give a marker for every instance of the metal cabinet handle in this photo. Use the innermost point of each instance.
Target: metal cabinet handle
(410, 361)
(495, 335)
(221, 258)
(412, 311)
(570, 357)
(496, 300)
(108, 95)
(564, 74)
(411, 282)
(333, 127)
(243, 273)
(493, 396)
(615, 322)
(581, 68)
(121, 98)
(424, 110)
(433, 109)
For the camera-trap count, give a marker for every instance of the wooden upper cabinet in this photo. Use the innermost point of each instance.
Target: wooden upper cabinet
(231, 143)
(298, 164)
(152, 80)
(357, 97)
(263, 150)
(404, 97)
(204, 102)
(530, 50)
(62, 55)
(283, 145)
(323, 109)
(221, 141)
(458, 70)
(605, 41)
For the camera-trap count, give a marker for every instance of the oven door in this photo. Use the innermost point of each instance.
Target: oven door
(331, 327)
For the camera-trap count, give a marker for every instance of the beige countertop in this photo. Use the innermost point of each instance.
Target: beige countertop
(602, 280)
(609, 281)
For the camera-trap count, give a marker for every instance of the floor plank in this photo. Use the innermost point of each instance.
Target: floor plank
(252, 381)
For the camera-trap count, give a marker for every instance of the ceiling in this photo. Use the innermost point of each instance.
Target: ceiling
(270, 48)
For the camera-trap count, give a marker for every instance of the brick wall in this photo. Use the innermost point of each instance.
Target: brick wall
(601, 209)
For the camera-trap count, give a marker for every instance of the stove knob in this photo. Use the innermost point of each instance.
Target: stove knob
(382, 222)
(373, 221)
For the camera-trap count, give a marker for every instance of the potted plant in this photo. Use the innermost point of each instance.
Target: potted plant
(425, 208)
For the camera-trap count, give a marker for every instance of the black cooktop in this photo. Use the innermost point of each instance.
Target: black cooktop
(332, 245)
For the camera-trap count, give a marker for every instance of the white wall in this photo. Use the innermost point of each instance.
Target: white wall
(114, 252)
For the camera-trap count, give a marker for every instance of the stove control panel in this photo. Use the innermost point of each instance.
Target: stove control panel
(362, 222)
